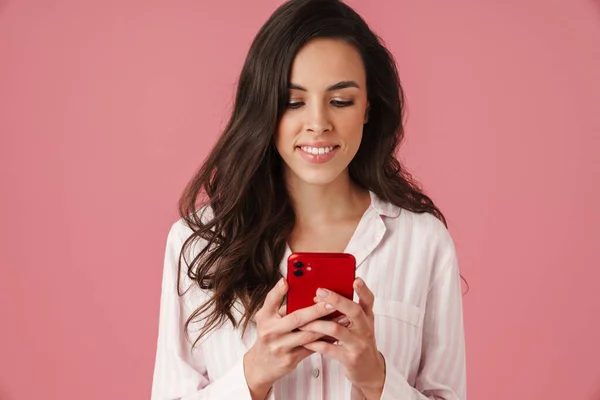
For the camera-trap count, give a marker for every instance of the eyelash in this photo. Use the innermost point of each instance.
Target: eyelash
(336, 103)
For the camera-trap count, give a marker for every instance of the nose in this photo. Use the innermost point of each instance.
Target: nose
(318, 121)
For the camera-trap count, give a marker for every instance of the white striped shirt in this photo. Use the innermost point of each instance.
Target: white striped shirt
(409, 262)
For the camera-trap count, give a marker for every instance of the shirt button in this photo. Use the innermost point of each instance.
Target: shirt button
(316, 372)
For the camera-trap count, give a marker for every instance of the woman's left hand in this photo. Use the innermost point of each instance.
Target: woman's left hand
(355, 349)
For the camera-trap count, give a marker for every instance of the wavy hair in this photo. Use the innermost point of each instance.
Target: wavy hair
(241, 181)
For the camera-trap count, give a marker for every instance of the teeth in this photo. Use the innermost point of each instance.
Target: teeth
(317, 150)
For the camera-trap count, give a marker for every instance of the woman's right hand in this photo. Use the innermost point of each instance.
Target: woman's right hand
(278, 350)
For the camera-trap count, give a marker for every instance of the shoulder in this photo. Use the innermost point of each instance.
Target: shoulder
(423, 229)
(181, 230)
(430, 238)
(183, 247)
(429, 228)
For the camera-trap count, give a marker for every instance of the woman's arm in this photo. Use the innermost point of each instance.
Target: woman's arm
(176, 376)
(442, 373)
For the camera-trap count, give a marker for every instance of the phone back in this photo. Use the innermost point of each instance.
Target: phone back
(309, 271)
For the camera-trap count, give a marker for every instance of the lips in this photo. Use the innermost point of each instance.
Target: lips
(317, 154)
(317, 150)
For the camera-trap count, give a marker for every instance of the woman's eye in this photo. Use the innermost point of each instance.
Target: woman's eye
(340, 103)
(294, 104)
(336, 103)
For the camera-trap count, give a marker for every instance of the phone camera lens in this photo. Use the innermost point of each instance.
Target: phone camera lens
(298, 272)
(298, 264)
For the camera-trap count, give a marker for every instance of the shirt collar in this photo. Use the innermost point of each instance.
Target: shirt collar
(384, 208)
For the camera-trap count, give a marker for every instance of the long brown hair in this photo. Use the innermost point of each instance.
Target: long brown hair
(241, 181)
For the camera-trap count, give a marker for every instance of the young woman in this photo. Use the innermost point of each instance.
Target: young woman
(307, 163)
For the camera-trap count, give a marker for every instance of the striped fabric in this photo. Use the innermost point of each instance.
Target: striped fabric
(409, 262)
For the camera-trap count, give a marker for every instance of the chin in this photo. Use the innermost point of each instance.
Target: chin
(316, 177)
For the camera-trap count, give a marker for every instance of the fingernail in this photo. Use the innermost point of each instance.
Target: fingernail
(360, 283)
(280, 283)
(322, 293)
(328, 306)
(343, 321)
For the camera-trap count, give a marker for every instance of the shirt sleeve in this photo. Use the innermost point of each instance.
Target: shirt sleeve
(442, 371)
(176, 375)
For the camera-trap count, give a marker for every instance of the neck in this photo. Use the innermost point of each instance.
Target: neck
(317, 204)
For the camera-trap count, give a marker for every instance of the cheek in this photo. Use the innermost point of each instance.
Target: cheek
(350, 130)
(285, 134)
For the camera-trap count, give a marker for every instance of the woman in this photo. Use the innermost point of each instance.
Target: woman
(306, 163)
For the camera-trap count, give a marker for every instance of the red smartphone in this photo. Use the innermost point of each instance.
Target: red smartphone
(309, 271)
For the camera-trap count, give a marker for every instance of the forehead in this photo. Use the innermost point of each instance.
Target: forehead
(323, 62)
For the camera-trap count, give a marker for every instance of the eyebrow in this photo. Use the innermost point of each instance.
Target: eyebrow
(337, 86)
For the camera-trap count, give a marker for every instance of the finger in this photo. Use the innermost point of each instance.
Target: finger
(334, 351)
(342, 320)
(300, 353)
(330, 328)
(366, 298)
(302, 317)
(297, 339)
(275, 297)
(282, 310)
(351, 309)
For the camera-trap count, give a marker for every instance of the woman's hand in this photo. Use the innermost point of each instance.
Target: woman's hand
(356, 349)
(277, 350)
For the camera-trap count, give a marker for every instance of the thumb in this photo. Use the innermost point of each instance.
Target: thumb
(275, 297)
(282, 310)
(366, 298)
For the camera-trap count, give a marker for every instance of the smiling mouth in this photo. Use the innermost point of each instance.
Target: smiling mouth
(317, 150)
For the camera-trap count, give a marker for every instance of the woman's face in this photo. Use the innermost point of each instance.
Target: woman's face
(321, 129)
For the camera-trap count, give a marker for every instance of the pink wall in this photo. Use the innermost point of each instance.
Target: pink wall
(106, 109)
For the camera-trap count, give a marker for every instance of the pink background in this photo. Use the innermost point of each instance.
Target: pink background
(107, 108)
